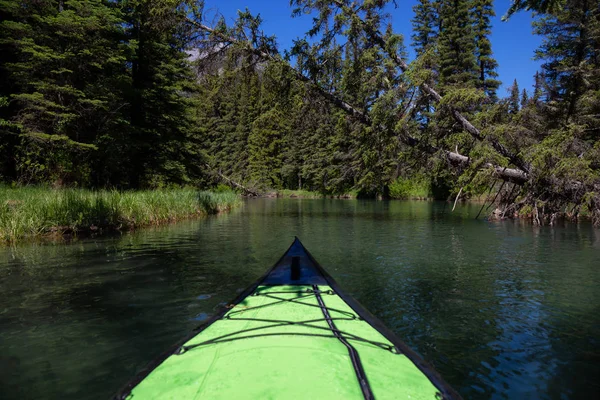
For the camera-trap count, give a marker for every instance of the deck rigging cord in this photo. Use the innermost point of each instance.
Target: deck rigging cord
(278, 323)
(354, 357)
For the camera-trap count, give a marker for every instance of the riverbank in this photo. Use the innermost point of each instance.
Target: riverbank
(417, 188)
(306, 194)
(31, 212)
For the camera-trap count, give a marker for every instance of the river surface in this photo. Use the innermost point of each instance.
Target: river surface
(502, 310)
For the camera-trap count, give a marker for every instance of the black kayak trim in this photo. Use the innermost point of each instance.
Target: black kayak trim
(306, 271)
(354, 357)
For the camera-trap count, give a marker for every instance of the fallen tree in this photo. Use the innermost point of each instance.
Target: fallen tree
(554, 189)
(510, 174)
(235, 185)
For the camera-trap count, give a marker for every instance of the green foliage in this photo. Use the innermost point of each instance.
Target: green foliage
(425, 25)
(542, 6)
(482, 12)
(299, 194)
(513, 102)
(98, 92)
(264, 144)
(221, 188)
(61, 56)
(416, 187)
(463, 98)
(457, 45)
(270, 132)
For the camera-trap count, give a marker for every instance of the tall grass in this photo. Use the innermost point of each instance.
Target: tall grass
(417, 187)
(34, 211)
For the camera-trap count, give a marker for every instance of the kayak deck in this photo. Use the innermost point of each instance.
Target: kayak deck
(289, 338)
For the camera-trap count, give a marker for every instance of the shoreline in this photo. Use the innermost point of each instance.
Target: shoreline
(493, 214)
(30, 214)
(305, 194)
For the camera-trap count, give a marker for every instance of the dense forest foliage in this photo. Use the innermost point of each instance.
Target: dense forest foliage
(139, 93)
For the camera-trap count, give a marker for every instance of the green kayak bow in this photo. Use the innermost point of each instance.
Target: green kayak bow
(293, 334)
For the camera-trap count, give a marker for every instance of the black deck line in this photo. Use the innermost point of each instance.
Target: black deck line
(320, 278)
(356, 363)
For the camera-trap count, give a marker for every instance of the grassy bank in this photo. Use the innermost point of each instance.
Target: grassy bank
(34, 211)
(305, 194)
(416, 188)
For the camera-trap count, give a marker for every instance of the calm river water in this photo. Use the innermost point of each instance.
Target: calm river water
(501, 309)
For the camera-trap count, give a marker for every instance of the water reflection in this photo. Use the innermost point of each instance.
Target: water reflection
(501, 309)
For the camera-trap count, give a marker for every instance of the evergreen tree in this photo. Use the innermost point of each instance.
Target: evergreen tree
(538, 85)
(264, 146)
(65, 57)
(513, 101)
(425, 41)
(570, 52)
(102, 93)
(98, 91)
(160, 35)
(9, 138)
(482, 12)
(524, 98)
(425, 23)
(457, 45)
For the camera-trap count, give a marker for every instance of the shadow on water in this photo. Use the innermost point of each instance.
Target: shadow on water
(502, 309)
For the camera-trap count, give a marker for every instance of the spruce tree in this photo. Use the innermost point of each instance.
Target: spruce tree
(160, 35)
(524, 98)
(482, 12)
(425, 23)
(66, 59)
(425, 40)
(457, 45)
(249, 106)
(513, 101)
(264, 146)
(538, 86)
(570, 53)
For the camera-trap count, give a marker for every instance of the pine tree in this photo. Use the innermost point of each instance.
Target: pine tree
(160, 113)
(425, 41)
(524, 98)
(482, 12)
(292, 146)
(538, 85)
(66, 57)
(570, 52)
(249, 107)
(9, 138)
(562, 116)
(264, 146)
(457, 45)
(425, 23)
(513, 101)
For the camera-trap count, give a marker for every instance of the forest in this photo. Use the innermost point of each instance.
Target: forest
(139, 94)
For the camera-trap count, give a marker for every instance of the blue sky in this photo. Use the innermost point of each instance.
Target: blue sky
(513, 43)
